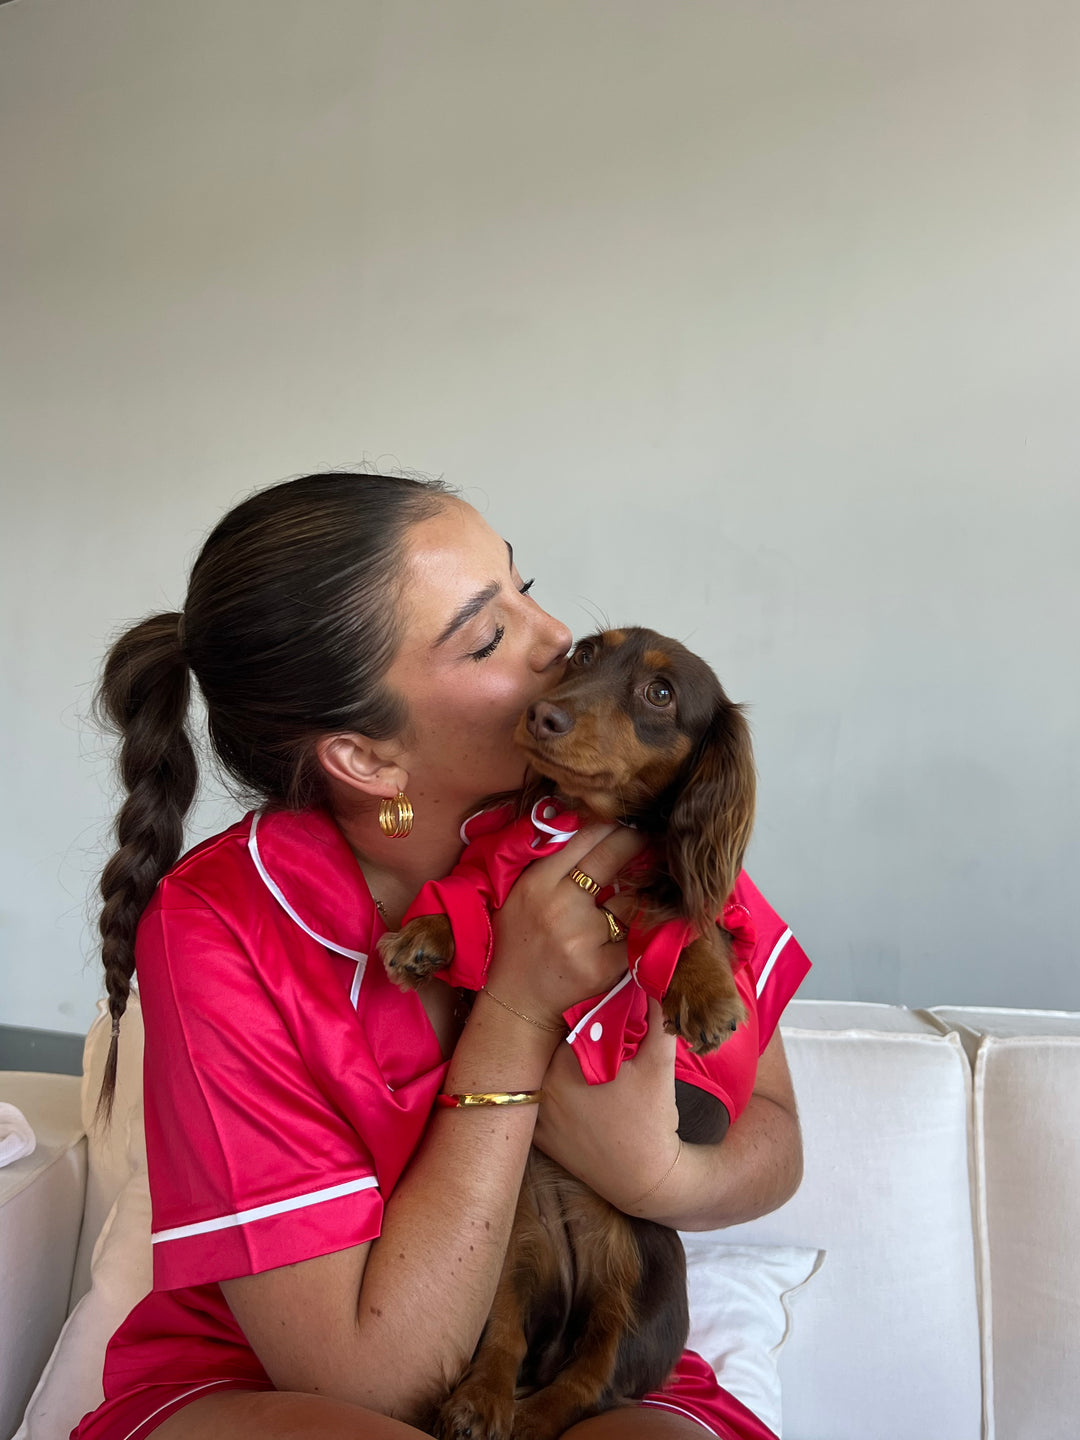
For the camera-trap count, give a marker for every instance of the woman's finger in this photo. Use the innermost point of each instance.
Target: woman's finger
(570, 854)
(609, 855)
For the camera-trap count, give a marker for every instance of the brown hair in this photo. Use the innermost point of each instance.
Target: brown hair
(289, 627)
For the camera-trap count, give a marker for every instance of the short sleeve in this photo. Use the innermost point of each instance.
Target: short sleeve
(777, 960)
(769, 966)
(251, 1165)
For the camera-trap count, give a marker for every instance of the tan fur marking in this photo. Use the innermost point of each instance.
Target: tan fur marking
(702, 1001)
(657, 660)
(614, 638)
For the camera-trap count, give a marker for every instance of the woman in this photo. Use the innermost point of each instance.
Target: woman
(326, 1239)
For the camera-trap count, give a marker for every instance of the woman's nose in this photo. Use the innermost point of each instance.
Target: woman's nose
(555, 644)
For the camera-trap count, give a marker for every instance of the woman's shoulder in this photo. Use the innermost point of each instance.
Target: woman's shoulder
(208, 873)
(288, 873)
(250, 897)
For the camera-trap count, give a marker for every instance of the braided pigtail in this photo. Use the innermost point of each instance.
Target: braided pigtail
(144, 697)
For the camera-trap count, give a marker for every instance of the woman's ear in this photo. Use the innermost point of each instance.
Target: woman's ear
(363, 765)
(713, 816)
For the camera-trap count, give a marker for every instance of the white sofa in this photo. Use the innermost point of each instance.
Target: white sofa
(924, 1284)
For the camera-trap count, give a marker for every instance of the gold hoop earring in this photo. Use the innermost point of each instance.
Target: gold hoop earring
(396, 817)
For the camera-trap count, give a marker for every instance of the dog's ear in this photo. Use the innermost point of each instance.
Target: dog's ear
(712, 817)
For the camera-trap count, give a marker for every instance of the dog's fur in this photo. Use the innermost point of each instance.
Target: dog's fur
(591, 1307)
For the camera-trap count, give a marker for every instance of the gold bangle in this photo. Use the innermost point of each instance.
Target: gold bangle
(540, 1024)
(666, 1175)
(469, 1101)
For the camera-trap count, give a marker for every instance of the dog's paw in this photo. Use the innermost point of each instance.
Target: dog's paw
(410, 955)
(474, 1412)
(703, 1021)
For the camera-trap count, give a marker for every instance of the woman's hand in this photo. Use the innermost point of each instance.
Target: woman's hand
(552, 945)
(620, 1138)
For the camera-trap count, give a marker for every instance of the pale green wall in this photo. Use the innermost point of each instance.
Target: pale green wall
(756, 321)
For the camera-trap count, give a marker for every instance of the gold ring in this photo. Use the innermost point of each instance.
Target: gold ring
(587, 883)
(616, 929)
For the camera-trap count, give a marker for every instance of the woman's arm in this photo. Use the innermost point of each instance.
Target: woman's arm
(387, 1325)
(391, 1324)
(756, 1168)
(621, 1139)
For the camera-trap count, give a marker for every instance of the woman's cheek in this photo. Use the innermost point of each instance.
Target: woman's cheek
(506, 698)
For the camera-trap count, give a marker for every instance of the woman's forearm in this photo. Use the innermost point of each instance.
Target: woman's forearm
(621, 1139)
(391, 1324)
(431, 1276)
(756, 1168)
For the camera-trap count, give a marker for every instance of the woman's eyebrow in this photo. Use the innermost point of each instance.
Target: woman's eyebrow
(468, 610)
(475, 605)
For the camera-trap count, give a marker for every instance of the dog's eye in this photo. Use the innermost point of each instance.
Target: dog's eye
(583, 655)
(658, 693)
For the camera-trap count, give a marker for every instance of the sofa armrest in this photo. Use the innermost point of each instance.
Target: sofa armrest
(41, 1208)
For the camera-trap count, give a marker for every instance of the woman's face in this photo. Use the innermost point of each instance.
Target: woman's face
(476, 650)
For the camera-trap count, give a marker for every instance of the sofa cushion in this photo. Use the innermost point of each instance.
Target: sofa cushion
(112, 1266)
(70, 1384)
(741, 1301)
(887, 1340)
(41, 1201)
(1027, 1079)
(118, 1149)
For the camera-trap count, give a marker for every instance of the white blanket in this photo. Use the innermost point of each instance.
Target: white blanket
(16, 1137)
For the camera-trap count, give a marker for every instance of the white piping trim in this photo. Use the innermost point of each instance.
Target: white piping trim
(767, 971)
(207, 1385)
(678, 1410)
(253, 847)
(576, 1031)
(354, 989)
(262, 1212)
(559, 837)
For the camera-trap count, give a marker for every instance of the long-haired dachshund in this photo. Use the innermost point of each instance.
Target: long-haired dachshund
(591, 1307)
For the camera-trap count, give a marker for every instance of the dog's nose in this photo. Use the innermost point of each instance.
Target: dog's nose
(545, 720)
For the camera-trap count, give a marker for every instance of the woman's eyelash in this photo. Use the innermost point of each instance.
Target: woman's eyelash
(490, 646)
(500, 631)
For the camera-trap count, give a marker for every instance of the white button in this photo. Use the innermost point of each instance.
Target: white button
(596, 1030)
(550, 812)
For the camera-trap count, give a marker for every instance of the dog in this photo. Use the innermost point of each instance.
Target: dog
(591, 1308)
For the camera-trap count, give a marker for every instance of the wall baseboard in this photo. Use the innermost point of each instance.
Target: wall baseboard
(50, 1051)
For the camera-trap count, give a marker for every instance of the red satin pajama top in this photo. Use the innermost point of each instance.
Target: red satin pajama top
(287, 1084)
